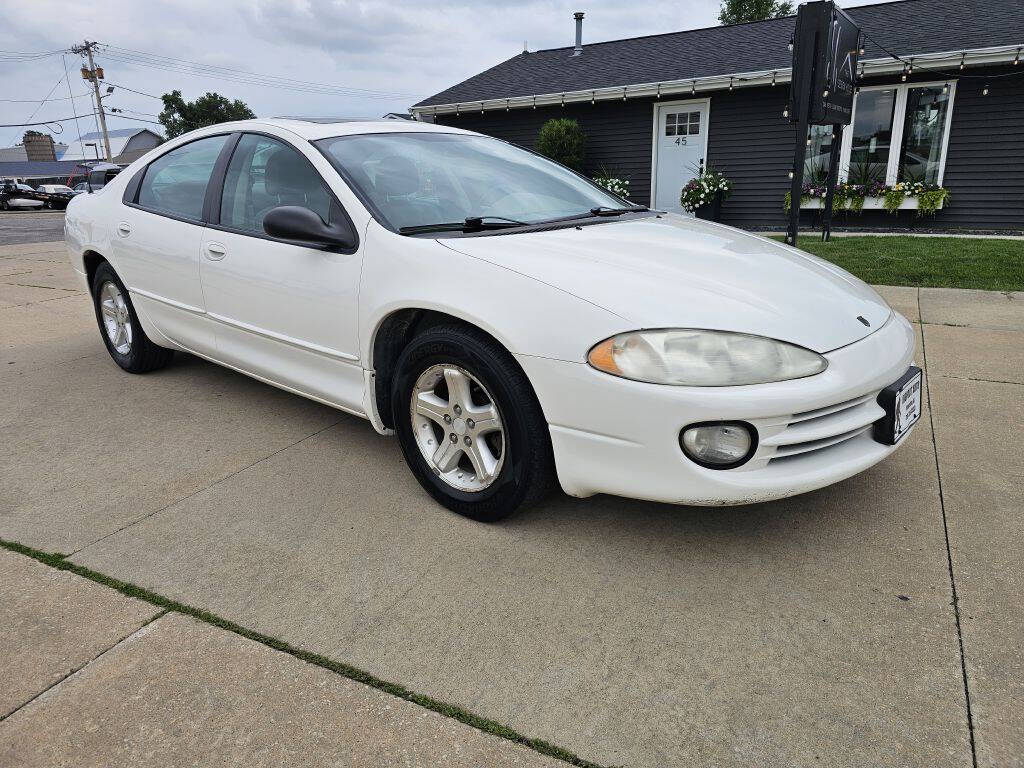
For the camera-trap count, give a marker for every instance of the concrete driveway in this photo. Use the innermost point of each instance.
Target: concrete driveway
(876, 622)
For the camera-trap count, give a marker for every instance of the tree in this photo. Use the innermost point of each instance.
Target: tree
(180, 116)
(563, 141)
(742, 11)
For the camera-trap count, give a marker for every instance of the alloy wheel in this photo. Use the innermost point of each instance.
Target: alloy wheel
(116, 320)
(458, 427)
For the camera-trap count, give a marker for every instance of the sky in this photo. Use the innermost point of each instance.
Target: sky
(377, 57)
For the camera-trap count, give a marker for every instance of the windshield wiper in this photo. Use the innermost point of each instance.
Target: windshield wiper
(603, 210)
(469, 224)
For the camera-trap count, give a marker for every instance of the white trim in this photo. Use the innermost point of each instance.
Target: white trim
(291, 341)
(898, 121)
(908, 203)
(168, 302)
(656, 134)
(885, 66)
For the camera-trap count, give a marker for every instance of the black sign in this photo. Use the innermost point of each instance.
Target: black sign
(825, 53)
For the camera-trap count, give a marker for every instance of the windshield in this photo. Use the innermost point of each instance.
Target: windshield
(423, 179)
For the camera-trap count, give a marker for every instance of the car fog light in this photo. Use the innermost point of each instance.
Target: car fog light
(719, 445)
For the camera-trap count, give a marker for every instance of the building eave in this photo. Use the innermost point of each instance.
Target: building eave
(945, 60)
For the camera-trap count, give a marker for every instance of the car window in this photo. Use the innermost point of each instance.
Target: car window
(175, 183)
(265, 173)
(415, 179)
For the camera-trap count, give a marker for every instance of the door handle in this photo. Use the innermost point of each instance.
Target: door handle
(124, 229)
(215, 251)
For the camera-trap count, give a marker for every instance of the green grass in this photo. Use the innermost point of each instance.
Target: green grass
(59, 561)
(935, 262)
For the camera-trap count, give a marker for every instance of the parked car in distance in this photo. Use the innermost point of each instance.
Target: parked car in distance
(81, 187)
(18, 196)
(55, 195)
(511, 321)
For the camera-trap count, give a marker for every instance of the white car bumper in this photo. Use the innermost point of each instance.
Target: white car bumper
(612, 435)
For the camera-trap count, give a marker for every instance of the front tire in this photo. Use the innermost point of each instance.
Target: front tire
(470, 425)
(122, 333)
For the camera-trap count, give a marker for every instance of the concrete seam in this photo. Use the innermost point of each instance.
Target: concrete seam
(987, 381)
(204, 488)
(71, 673)
(949, 561)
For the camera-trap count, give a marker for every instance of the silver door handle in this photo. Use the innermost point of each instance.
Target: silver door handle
(215, 252)
(124, 229)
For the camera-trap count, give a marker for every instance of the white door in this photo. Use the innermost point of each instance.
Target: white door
(283, 312)
(680, 149)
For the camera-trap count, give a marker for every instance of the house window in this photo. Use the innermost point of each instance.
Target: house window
(682, 124)
(898, 133)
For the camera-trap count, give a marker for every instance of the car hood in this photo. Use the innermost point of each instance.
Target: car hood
(676, 272)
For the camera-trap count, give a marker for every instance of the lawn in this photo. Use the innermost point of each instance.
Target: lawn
(941, 262)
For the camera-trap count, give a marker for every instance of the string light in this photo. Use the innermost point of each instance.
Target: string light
(456, 110)
(785, 111)
(773, 79)
(791, 174)
(984, 91)
(506, 105)
(1016, 59)
(730, 83)
(693, 87)
(963, 58)
(593, 97)
(824, 94)
(791, 42)
(563, 99)
(623, 93)
(903, 75)
(945, 87)
(534, 102)
(481, 107)
(659, 91)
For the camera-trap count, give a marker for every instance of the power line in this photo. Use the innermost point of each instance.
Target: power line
(169, 64)
(36, 101)
(126, 88)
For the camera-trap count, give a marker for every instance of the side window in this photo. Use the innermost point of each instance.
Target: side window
(176, 182)
(265, 173)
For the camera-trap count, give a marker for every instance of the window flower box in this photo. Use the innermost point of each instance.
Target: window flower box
(870, 204)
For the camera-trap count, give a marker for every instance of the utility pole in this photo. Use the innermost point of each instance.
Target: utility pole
(93, 75)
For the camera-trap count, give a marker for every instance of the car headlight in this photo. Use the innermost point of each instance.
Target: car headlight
(697, 358)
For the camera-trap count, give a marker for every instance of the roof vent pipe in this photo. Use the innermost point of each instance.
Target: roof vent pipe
(579, 33)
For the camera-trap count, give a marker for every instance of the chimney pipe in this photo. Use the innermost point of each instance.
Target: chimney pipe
(579, 33)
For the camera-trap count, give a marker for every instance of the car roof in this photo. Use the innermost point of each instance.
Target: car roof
(315, 128)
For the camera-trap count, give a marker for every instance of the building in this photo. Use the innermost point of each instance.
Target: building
(36, 172)
(948, 111)
(126, 145)
(33, 147)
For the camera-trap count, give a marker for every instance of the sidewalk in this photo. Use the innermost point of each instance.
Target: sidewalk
(94, 678)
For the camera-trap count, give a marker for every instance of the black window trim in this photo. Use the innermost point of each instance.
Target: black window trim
(131, 190)
(221, 176)
(210, 217)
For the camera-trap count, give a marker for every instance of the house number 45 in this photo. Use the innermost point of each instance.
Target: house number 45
(681, 140)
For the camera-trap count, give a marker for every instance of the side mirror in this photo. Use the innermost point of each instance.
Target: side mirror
(301, 225)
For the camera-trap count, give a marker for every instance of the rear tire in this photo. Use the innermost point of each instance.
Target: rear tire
(488, 470)
(119, 325)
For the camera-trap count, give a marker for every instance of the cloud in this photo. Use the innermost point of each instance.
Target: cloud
(400, 47)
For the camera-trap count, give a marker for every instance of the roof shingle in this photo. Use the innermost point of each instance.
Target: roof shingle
(910, 27)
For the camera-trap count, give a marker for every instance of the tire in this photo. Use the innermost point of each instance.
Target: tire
(48, 204)
(522, 444)
(5, 205)
(134, 352)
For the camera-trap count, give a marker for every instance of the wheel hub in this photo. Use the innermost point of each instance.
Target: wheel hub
(116, 320)
(457, 427)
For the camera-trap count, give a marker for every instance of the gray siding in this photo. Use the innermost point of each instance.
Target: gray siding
(752, 144)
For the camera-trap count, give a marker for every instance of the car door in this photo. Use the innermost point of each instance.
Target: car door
(284, 312)
(158, 239)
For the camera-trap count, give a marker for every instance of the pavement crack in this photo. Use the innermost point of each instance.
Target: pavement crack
(204, 488)
(976, 378)
(75, 670)
(949, 564)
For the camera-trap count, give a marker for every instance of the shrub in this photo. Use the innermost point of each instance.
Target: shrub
(563, 141)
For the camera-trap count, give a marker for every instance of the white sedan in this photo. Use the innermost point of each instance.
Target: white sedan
(509, 320)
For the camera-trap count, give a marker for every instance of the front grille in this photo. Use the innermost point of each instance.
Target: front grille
(821, 428)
